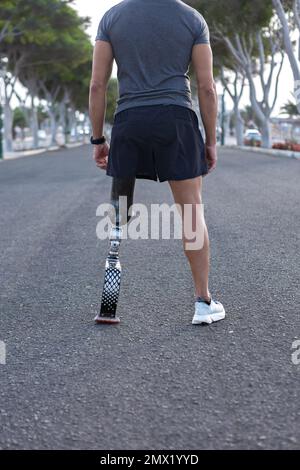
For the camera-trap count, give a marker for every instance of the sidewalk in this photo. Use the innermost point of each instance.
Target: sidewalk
(32, 152)
(272, 152)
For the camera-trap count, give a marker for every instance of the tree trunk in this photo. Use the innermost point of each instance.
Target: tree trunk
(287, 40)
(76, 135)
(73, 123)
(83, 128)
(34, 124)
(266, 134)
(239, 126)
(62, 119)
(8, 123)
(53, 127)
(264, 119)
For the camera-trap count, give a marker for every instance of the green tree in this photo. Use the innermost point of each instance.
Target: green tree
(42, 114)
(253, 40)
(290, 109)
(250, 117)
(19, 119)
(48, 39)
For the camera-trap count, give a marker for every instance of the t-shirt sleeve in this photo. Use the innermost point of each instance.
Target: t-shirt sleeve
(202, 35)
(103, 30)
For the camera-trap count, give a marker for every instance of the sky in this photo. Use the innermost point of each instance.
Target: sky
(95, 9)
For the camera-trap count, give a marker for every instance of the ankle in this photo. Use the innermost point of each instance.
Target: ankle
(203, 296)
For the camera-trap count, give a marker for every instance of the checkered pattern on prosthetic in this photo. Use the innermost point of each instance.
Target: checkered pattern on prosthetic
(111, 291)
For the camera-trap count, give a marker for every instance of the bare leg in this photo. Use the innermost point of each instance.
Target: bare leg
(189, 192)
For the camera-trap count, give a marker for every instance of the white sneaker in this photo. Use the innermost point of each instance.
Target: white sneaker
(205, 313)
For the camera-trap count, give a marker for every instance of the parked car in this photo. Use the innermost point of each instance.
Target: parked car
(42, 135)
(252, 137)
(83, 130)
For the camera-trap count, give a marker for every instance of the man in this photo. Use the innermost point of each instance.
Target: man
(156, 132)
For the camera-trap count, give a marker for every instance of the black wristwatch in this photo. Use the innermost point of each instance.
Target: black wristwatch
(100, 141)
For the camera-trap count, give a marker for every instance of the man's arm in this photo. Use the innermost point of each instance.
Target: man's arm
(202, 60)
(101, 72)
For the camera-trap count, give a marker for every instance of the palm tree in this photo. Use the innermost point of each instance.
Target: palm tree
(290, 109)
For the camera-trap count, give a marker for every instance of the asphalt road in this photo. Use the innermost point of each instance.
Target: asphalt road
(155, 381)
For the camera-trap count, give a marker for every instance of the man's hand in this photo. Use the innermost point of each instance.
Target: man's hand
(101, 155)
(211, 157)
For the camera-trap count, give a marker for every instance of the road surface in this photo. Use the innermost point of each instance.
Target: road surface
(155, 381)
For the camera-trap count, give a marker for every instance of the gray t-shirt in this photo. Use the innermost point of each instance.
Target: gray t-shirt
(152, 42)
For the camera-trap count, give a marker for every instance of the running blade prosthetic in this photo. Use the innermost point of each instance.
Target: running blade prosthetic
(112, 281)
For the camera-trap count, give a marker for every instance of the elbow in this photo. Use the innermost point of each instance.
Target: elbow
(208, 89)
(97, 87)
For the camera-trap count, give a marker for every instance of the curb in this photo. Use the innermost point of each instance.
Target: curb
(272, 152)
(36, 152)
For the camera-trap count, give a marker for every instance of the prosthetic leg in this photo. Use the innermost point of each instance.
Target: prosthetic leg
(112, 279)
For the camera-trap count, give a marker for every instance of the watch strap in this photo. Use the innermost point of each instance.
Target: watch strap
(99, 141)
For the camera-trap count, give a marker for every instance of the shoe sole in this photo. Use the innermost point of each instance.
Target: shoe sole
(99, 320)
(208, 319)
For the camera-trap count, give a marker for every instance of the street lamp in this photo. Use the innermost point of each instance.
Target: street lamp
(3, 68)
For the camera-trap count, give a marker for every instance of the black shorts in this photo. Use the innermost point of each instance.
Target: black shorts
(157, 142)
